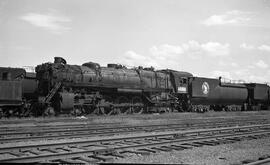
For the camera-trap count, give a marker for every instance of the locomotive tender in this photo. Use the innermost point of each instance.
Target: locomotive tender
(89, 88)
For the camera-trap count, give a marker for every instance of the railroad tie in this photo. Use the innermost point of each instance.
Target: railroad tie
(116, 154)
(194, 144)
(170, 148)
(206, 143)
(35, 151)
(87, 159)
(174, 147)
(49, 150)
(184, 146)
(70, 161)
(161, 149)
(102, 157)
(225, 141)
(65, 149)
(147, 150)
(136, 152)
(16, 153)
(234, 139)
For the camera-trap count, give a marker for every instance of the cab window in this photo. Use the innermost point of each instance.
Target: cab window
(5, 76)
(184, 80)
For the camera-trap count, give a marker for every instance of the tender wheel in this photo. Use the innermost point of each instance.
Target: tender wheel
(77, 111)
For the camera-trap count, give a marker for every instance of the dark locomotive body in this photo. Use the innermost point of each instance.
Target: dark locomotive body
(259, 96)
(115, 89)
(17, 91)
(89, 88)
(213, 94)
(112, 89)
(10, 90)
(29, 86)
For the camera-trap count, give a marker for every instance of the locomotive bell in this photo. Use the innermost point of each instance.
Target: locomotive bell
(59, 60)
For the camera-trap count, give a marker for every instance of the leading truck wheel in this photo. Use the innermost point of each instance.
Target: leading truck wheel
(49, 111)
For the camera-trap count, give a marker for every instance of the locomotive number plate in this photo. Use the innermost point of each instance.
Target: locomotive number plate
(182, 89)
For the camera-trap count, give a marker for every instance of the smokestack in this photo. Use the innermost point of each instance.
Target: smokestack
(59, 60)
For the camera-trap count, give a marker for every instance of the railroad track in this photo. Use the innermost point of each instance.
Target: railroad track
(93, 151)
(76, 121)
(88, 131)
(40, 127)
(264, 160)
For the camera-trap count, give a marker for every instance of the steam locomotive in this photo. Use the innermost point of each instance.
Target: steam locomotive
(91, 89)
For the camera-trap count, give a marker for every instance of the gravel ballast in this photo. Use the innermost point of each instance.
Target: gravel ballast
(233, 153)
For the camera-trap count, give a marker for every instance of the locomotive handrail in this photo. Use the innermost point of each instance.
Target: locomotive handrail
(52, 92)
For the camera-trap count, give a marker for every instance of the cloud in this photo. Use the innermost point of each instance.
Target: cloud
(52, 21)
(246, 46)
(248, 76)
(166, 50)
(193, 49)
(264, 48)
(132, 59)
(242, 75)
(261, 64)
(234, 17)
(233, 64)
(252, 47)
(228, 64)
(166, 55)
(170, 56)
(218, 73)
(257, 79)
(213, 49)
(216, 49)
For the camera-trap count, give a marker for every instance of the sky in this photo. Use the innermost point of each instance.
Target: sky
(208, 38)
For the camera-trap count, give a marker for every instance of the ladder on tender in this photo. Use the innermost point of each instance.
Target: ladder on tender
(52, 92)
